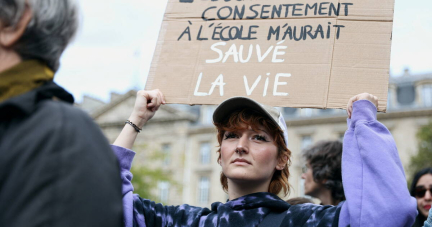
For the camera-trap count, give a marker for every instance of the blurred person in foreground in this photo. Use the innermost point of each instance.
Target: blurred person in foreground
(421, 189)
(323, 173)
(56, 167)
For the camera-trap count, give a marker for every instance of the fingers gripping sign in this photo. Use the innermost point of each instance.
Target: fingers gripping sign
(146, 105)
(363, 96)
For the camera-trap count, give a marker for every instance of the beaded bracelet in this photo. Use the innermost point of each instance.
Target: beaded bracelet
(133, 125)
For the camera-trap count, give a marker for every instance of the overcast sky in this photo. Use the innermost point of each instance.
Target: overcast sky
(115, 44)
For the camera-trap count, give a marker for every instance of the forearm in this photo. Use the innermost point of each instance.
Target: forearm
(373, 176)
(146, 105)
(128, 135)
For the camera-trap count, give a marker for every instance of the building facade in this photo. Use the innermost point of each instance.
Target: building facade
(186, 137)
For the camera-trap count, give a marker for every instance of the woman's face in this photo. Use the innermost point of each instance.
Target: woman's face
(424, 203)
(249, 156)
(311, 187)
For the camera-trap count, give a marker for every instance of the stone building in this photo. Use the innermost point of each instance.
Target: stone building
(185, 136)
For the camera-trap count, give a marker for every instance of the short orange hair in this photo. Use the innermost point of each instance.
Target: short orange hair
(236, 121)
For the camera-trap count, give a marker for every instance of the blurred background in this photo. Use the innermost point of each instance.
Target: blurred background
(176, 160)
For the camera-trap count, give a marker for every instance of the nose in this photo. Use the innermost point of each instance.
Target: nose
(243, 144)
(303, 175)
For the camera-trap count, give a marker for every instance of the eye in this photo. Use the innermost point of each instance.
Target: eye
(230, 135)
(260, 138)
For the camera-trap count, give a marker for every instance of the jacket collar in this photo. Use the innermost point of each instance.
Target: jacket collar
(27, 103)
(23, 77)
(256, 200)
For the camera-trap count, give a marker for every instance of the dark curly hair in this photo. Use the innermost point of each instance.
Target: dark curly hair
(325, 157)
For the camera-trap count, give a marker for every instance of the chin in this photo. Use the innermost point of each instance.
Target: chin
(240, 175)
(424, 212)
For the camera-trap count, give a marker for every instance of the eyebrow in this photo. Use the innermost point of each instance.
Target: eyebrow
(423, 186)
(259, 130)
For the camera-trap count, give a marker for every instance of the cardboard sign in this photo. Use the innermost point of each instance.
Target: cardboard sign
(290, 53)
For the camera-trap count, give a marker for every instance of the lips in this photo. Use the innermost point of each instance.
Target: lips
(427, 207)
(241, 161)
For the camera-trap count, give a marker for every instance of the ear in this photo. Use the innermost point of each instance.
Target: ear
(10, 35)
(282, 162)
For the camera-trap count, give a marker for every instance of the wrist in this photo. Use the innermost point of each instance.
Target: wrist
(138, 121)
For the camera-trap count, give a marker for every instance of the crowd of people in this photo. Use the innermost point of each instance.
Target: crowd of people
(57, 168)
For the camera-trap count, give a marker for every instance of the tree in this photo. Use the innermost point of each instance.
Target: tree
(423, 158)
(146, 177)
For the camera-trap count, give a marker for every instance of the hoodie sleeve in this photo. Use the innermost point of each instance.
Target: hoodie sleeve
(125, 158)
(372, 174)
(143, 212)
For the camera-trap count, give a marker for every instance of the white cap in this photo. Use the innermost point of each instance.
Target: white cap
(237, 103)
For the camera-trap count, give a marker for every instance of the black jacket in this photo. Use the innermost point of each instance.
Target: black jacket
(56, 167)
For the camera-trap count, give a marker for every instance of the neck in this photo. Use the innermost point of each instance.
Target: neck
(238, 189)
(326, 197)
(8, 59)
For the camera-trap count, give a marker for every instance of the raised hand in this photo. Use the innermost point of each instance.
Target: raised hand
(146, 105)
(362, 96)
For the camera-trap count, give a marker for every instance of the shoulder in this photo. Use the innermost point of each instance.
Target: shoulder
(65, 117)
(66, 125)
(305, 214)
(61, 109)
(156, 214)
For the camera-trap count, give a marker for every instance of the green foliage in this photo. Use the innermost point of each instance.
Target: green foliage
(423, 158)
(145, 179)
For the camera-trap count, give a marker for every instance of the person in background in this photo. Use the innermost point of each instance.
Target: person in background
(323, 173)
(421, 189)
(56, 167)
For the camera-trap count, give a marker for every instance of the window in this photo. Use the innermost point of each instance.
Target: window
(166, 152)
(341, 136)
(207, 114)
(301, 187)
(280, 109)
(205, 153)
(163, 188)
(326, 111)
(306, 112)
(405, 94)
(203, 190)
(427, 95)
(290, 111)
(390, 99)
(306, 141)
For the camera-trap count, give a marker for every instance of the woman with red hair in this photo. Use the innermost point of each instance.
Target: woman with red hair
(254, 156)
